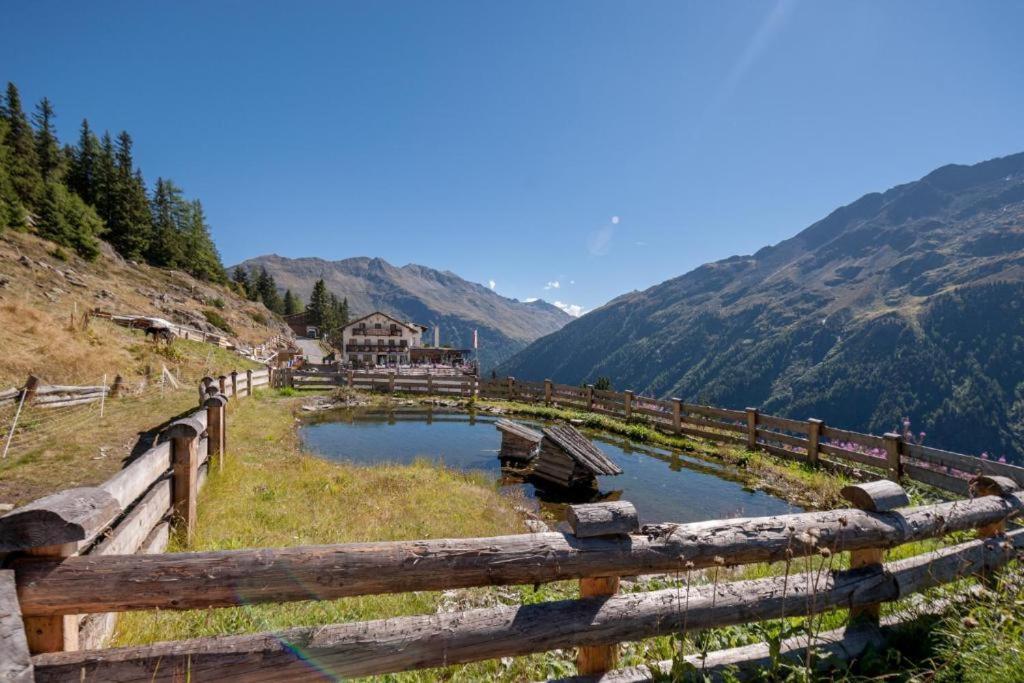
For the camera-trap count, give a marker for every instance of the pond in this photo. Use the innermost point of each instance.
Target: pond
(664, 485)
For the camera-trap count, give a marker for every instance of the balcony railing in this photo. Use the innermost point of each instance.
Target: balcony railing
(375, 332)
(375, 348)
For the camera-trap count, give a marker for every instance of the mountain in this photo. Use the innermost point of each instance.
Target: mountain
(423, 295)
(907, 303)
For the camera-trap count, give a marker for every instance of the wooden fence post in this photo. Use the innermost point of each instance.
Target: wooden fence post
(547, 392)
(391, 382)
(234, 383)
(248, 382)
(184, 437)
(677, 416)
(204, 384)
(751, 428)
(15, 658)
(587, 521)
(872, 496)
(223, 382)
(511, 388)
(627, 404)
(216, 426)
(115, 388)
(990, 485)
(29, 392)
(54, 527)
(893, 443)
(813, 440)
(590, 397)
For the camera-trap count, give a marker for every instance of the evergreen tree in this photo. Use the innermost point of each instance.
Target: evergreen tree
(166, 248)
(319, 307)
(84, 159)
(241, 279)
(105, 179)
(292, 304)
(23, 160)
(129, 223)
(51, 158)
(12, 213)
(67, 220)
(266, 290)
(201, 257)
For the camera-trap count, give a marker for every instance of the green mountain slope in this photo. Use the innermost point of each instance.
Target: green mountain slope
(904, 303)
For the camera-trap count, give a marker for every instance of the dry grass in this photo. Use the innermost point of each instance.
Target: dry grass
(38, 300)
(58, 448)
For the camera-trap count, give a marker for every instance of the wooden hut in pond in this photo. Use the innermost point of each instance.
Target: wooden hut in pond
(569, 459)
(519, 443)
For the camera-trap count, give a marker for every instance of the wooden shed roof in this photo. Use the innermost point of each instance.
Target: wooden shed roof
(580, 449)
(522, 431)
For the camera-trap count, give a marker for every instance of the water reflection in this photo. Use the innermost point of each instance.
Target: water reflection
(663, 484)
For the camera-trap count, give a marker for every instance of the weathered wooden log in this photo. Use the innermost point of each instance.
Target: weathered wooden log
(750, 662)
(69, 516)
(15, 660)
(126, 537)
(233, 577)
(135, 479)
(405, 643)
(184, 437)
(603, 519)
(872, 496)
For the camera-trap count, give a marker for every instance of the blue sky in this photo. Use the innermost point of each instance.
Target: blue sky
(566, 150)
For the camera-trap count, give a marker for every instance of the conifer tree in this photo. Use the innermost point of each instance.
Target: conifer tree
(166, 247)
(51, 158)
(12, 213)
(81, 176)
(319, 307)
(129, 221)
(241, 279)
(23, 160)
(105, 179)
(200, 253)
(266, 291)
(292, 305)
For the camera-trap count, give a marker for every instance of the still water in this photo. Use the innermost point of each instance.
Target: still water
(664, 485)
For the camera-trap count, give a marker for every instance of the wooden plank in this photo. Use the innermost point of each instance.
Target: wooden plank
(69, 516)
(866, 440)
(231, 577)
(127, 535)
(581, 449)
(783, 423)
(787, 439)
(855, 456)
(964, 463)
(135, 479)
(715, 424)
(15, 660)
(603, 519)
(417, 642)
(939, 480)
(711, 411)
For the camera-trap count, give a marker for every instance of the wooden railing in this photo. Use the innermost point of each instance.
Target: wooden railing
(605, 542)
(132, 512)
(810, 441)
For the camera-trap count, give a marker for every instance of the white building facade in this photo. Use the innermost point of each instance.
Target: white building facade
(379, 339)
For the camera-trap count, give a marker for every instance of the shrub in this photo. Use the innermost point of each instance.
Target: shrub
(217, 320)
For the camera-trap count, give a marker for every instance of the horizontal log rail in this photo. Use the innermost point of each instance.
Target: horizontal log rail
(417, 642)
(77, 585)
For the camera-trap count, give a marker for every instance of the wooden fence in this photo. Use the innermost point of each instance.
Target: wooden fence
(131, 512)
(43, 591)
(811, 441)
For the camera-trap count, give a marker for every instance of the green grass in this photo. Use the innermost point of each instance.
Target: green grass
(272, 494)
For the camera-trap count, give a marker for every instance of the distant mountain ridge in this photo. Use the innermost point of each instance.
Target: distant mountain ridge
(424, 295)
(908, 303)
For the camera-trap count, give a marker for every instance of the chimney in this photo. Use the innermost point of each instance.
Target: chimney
(437, 336)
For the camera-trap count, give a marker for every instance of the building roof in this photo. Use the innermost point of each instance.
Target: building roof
(410, 325)
(580, 449)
